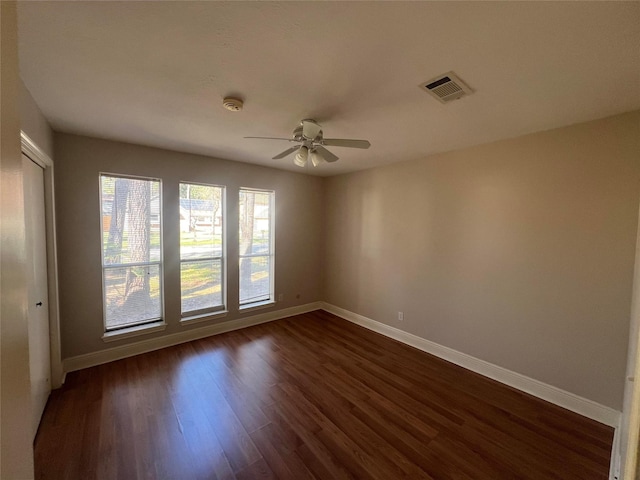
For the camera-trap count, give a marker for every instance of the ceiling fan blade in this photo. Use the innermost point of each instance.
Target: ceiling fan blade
(343, 142)
(310, 129)
(288, 151)
(272, 138)
(326, 154)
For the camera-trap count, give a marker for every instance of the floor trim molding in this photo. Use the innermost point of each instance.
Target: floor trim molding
(555, 395)
(129, 350)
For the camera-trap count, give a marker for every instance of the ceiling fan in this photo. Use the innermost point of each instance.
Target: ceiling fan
(311, 144)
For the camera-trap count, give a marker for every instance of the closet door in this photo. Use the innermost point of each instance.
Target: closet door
(36, 243)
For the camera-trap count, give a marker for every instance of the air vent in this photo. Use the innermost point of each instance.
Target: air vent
(447, 87)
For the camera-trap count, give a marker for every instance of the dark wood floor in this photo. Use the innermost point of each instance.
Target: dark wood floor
(312, 396)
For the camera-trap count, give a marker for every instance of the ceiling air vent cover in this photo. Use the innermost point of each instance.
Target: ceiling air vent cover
(447, 87)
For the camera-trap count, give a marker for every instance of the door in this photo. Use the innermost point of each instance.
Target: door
(38, 313)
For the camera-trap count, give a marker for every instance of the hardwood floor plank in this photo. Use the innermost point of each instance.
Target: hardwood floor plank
(307, 397)
(338, 410)
(340, 440)
(316, 455)
(285, 464)
(258, 470)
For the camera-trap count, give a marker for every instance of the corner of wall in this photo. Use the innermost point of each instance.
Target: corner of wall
(16, 448)
(34, 123)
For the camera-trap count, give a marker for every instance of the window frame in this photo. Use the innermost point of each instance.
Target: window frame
(205, 313)
(145, 326)
(272, 250)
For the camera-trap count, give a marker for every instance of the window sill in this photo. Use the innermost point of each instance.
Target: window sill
(257, 306)
(134, 331)
(203, 317)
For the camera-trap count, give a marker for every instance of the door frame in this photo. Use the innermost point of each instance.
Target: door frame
(625, 458)
(35, 153)
(633, 437)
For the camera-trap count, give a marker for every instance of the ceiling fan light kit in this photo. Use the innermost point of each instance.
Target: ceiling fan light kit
(309, 135)
(316, 158)
(301, 157)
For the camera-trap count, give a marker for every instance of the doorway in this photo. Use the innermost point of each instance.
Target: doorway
(37, 278)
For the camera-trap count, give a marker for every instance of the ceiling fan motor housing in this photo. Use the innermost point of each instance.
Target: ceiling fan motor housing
(311, 130)
(297, 134)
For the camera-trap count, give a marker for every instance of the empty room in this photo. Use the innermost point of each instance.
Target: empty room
(320, 240)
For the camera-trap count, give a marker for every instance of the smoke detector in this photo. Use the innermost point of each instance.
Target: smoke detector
(446, 88)
(232, 104)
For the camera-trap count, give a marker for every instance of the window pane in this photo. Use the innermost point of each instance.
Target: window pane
(200, 221)
(132, 295)
(201, 284)
(255, 222)
(131, 217)
(255, 284)
(201, 247)
(256, 246)
(130, 220)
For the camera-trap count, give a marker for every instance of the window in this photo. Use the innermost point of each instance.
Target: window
(201, 249)
(256, 247)
(131, 251)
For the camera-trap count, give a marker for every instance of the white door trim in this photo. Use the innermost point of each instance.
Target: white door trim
(626, 457)
(35, 153)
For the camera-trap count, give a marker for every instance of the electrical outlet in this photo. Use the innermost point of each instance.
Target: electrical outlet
(281, 297)
(400, 316)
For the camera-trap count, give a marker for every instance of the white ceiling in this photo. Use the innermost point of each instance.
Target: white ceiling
(155, 73)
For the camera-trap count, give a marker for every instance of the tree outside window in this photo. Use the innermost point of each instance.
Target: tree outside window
(131, 250)
(256, 246)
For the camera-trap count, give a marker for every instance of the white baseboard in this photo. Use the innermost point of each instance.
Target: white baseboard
(116, 353)
(555, 395)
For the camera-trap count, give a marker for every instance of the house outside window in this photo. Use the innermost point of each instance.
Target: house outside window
(202, 249)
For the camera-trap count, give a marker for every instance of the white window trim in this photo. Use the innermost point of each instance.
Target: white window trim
(134, 331)
(261, 305)
(205, 317)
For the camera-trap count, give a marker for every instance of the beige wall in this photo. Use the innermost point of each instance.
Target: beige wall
(16, 453)
(33, 123)
(519, 252)
(79, 160)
